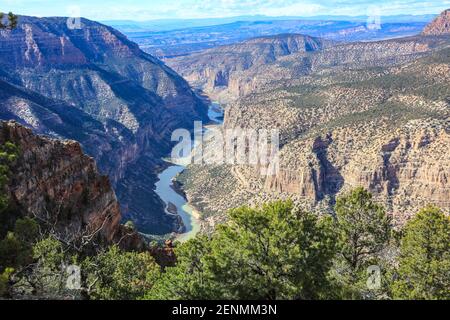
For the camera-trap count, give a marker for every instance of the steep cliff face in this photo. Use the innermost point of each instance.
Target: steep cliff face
(55, 182)
(406, 168)
(384, 128)
(360, 114)
(440, 26)
(131, 102)
(58, 118)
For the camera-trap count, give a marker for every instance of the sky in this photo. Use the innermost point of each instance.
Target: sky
(141, 10)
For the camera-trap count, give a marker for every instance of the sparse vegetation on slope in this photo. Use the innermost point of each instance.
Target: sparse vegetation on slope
(378, 124)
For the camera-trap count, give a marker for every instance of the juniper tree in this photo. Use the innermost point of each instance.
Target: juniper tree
(275, 252)
(424, 264)
(364, 230)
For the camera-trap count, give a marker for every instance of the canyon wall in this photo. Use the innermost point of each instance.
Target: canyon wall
(381, 122)
(93, 85)
(439, 26)
(54, 182)
(230, 72)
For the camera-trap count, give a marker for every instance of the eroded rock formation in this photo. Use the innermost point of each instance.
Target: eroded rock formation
(230, 72)
(372, 121)
(56, 183)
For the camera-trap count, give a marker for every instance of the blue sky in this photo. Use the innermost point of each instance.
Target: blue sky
(168, 9)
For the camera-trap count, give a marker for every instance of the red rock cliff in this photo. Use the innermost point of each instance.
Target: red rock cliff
(55, 182)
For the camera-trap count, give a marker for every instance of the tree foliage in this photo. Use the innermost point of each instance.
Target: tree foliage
(4, 281)
(8, 154)
(16, 250)
(190, 278)
(364, 230)
(275, 252)
(12, 251)
(118, 275)
(16, 247)
(46, 277)
(424, 262)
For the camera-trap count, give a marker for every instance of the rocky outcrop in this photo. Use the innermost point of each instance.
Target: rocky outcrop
(95, 86)
(317, 179)
(164, 255)
(439, 26)
(410, 170)
(405, 168)
(218, 68)
(56, 183)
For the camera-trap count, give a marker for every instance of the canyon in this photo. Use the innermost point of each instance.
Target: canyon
(229, 72)
(171, 39)
(373, 114)
(93, 85)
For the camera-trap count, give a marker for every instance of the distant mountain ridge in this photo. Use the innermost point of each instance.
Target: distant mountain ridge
(173, 24)
(94, 85)
(440, 25)
(232, 71)
(183, 41)
(218, 67)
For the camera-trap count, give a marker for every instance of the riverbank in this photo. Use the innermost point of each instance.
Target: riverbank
(172, 194)
(178, 187)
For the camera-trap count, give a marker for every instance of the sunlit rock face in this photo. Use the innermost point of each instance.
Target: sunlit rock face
(54, 182)
(372, 114)
(233, 71)
(440, 26)
(219, 69)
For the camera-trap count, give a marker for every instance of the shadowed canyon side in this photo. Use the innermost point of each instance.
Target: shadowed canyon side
(93, 85)
(59, 186)
(366, 114)
(257, 158)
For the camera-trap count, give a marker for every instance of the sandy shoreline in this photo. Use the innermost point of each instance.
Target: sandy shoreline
(177, 187)
(168, 186)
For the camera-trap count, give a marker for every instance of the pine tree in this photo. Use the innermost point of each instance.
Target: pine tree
(424, 262)
(364, 231)
(119, 275)
(275, 252)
